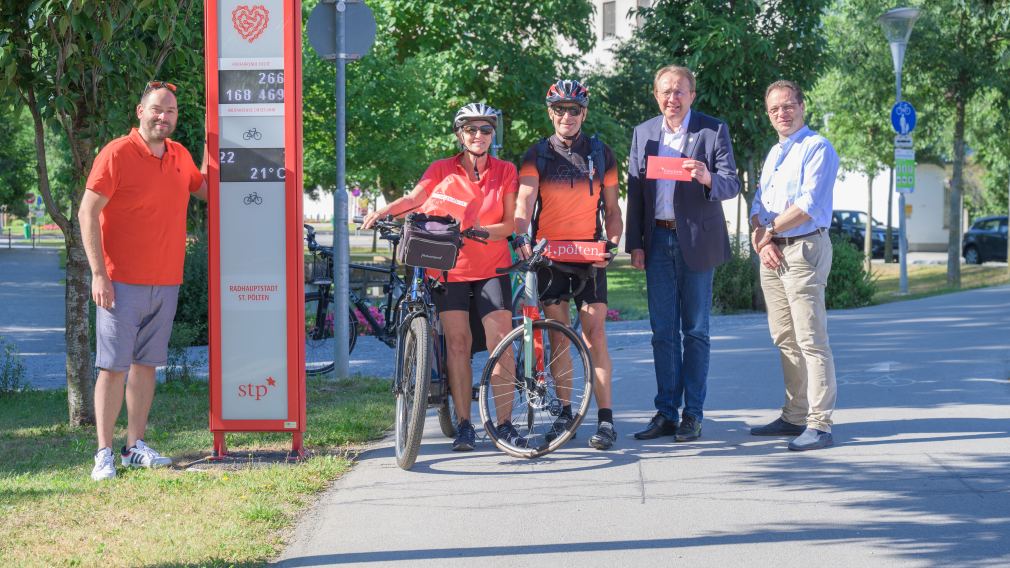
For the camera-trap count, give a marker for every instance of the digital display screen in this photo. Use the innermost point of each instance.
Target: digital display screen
(245, 86)
(252, 164)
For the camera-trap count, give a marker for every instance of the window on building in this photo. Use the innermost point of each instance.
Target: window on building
(609, 20)
(639, 20)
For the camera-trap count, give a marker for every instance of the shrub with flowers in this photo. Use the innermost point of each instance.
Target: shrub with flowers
(363, 327)
(613, 315)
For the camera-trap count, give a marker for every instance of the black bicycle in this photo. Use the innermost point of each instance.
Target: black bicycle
(420, 379)
(319, 330)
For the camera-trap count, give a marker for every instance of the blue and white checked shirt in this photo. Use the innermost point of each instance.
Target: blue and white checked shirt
(800, 171)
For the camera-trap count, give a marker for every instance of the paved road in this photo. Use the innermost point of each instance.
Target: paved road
(919, 476)
(31, 311)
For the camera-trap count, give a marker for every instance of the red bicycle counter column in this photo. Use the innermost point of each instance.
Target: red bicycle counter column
(257, 335)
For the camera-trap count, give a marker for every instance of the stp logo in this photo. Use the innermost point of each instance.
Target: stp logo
(256, 391)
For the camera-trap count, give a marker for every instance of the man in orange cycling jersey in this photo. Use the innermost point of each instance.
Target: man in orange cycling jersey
(565, 182)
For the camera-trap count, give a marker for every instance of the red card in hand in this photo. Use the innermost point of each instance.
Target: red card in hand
(659, 167)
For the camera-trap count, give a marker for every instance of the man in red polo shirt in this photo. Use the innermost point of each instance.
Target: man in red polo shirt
(133, 223)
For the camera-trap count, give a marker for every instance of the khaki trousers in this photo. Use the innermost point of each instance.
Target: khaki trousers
(798, 322)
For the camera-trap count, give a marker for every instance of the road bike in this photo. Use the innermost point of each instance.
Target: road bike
(319, 304)
(538, 369)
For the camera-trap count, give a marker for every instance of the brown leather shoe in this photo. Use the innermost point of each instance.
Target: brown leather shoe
(659, 426)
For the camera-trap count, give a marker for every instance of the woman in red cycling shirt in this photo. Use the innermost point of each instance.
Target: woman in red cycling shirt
(474, 278)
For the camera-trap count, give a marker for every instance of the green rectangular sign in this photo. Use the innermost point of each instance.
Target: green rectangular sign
(904, 170)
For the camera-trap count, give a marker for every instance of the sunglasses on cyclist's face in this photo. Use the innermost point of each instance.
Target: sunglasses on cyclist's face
(570, 110)
(473, 130)
(155, 85)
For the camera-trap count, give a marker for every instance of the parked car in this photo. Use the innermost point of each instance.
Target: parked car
(986, 239)
(851, 225)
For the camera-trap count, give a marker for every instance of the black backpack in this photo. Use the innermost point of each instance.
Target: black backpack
(596, 161)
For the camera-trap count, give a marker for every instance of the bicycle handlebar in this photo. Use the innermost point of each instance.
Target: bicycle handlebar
(534, 262)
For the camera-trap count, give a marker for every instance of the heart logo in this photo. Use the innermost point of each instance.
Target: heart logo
(250, 22)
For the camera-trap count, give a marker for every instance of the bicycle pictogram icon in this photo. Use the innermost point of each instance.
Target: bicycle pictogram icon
(252, 199)
(252, 134)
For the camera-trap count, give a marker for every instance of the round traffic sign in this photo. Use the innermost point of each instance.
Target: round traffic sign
(359, 29)
(903, 117)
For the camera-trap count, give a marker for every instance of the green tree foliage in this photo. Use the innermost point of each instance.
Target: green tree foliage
(853, 98)
(429, 59)
(78, 67)
(17, 175)
(735, 50)
(959, 53)
(988, 125)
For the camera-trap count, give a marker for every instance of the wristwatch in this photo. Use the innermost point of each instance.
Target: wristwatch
(770, 227)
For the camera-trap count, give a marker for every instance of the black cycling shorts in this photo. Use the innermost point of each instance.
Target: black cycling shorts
(555, 283)
(487, 296)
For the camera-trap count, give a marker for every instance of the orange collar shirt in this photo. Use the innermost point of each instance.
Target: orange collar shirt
(144, 223)
(478, 261)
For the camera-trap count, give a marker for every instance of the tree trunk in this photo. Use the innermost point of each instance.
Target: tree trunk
(956, 183)
(888, 251)
(868, 230)
(80, 368)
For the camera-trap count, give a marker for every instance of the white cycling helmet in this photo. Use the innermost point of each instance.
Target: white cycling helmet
(475, 111)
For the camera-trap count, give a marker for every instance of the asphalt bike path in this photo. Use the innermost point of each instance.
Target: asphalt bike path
(32, 314)
(918, 476)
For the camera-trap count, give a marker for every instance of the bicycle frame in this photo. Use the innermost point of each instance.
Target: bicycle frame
(384, 332)
(417, 303)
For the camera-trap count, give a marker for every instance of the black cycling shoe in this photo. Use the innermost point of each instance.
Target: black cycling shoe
(466, 437)
(604, 437)
(561, 424)
(507, 433)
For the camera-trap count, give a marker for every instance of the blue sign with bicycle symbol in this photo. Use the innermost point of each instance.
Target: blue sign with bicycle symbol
(903, 117)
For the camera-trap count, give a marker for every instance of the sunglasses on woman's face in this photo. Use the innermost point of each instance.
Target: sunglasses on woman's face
(473, 130)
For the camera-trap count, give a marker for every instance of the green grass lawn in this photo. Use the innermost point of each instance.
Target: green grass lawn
(626, 289)
(931, 279)
(55, 515)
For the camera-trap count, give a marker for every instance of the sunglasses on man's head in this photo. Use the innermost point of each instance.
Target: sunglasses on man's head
(572, 110)
(155, 85)
(473, 130)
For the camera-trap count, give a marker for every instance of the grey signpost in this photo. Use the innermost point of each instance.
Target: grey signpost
(897, 25)
(339, 31)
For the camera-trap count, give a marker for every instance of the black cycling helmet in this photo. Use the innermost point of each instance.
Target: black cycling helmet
(568, 91)
(475, 111)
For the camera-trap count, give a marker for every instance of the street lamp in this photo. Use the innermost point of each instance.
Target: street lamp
(897, 25)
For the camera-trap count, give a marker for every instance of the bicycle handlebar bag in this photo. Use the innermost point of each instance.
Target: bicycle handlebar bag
(430, 241)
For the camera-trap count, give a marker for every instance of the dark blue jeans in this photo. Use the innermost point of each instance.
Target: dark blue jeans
(680, 300)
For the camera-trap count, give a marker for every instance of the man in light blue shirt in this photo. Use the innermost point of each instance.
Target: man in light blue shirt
(790, 218)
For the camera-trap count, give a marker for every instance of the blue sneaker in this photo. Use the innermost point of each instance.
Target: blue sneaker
(812, 439)
(466, 437)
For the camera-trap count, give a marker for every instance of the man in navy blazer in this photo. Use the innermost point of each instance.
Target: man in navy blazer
(676, 231)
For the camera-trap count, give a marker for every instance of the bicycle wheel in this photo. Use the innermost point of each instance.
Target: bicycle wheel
(447, 418)
(318, 334)
(412, 394)
(534, 403)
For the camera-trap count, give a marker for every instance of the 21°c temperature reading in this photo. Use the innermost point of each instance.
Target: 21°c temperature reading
(266, 174)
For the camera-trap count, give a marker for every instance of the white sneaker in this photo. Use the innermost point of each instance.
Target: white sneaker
(142, 455)
(105, 465)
